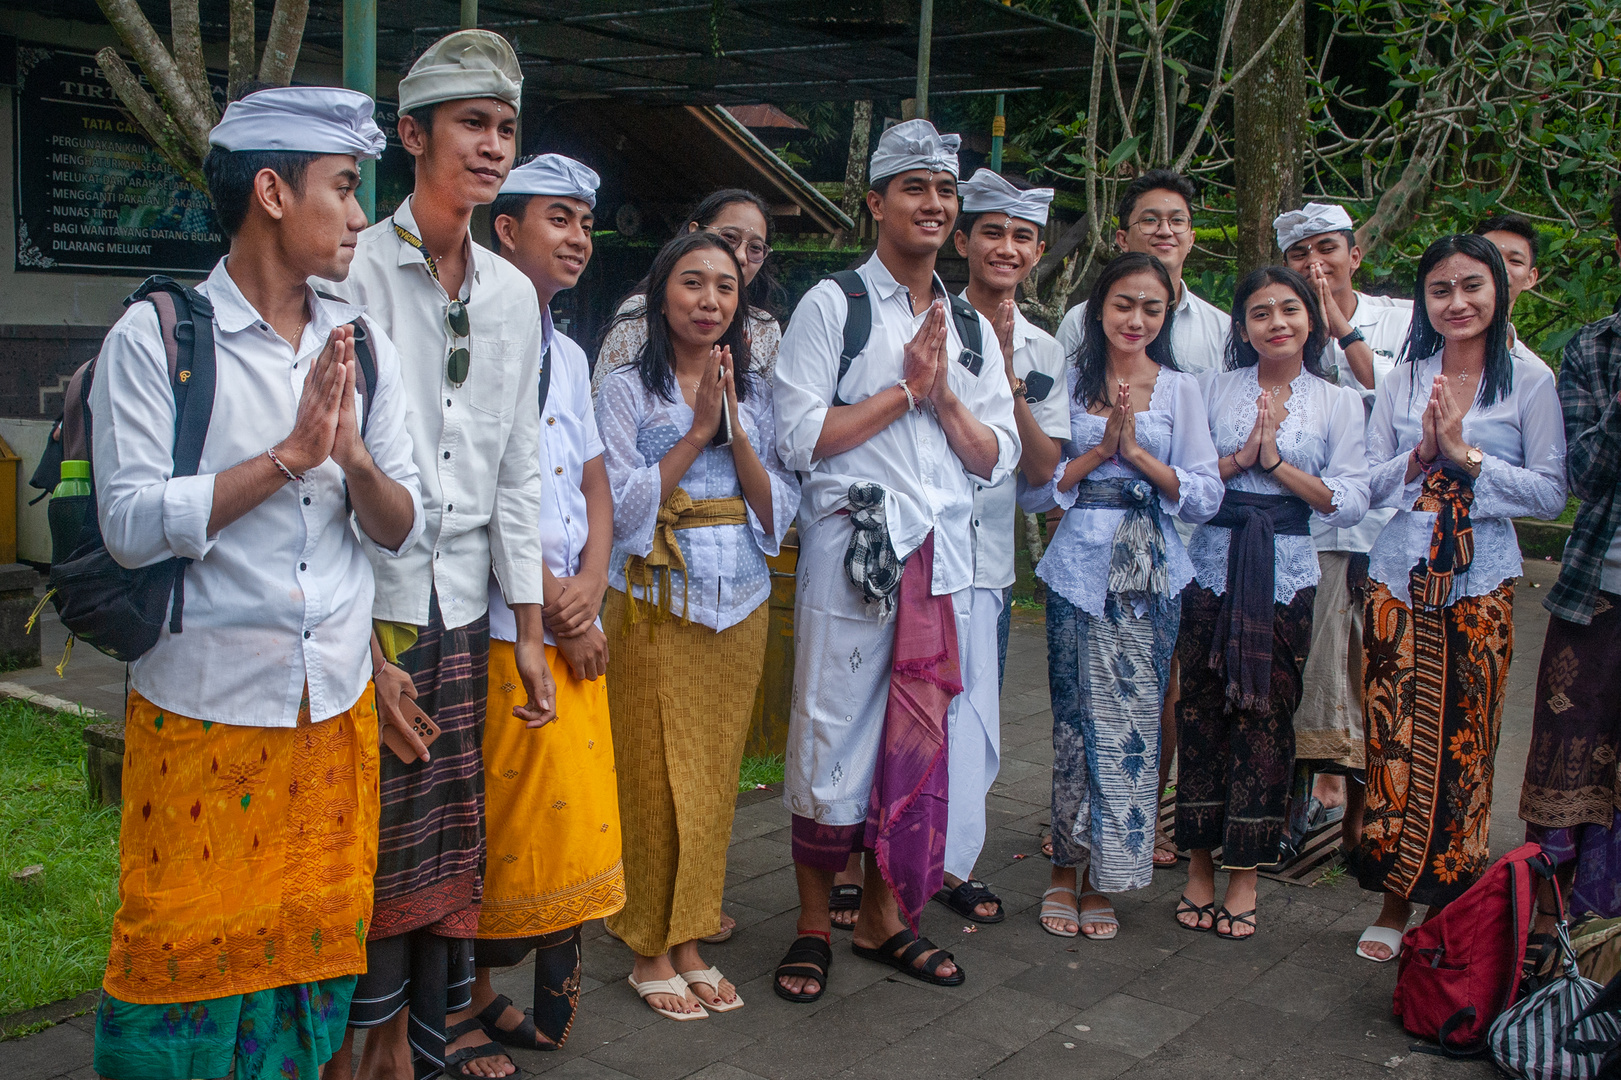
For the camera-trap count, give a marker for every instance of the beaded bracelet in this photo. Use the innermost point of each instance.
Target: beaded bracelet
(284, 470)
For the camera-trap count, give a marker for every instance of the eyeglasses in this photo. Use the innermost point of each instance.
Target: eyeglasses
(461, 360)
(756, 249)
(1149, 224)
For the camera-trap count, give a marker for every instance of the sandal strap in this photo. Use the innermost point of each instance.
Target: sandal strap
(1184, 906)
(455, 1059)
(492, 1012)
(1247, 917)
(456, 1031)
(808, 950)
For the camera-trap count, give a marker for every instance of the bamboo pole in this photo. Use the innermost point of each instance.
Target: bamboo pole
(925, 42)
(360, 73)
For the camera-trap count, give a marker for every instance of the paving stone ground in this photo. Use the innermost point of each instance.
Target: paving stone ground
(1293, 1003)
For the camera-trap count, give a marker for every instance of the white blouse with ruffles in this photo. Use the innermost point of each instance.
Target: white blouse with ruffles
(727, 577)
(1173, 430)
(1522, 436)
(1322, 435)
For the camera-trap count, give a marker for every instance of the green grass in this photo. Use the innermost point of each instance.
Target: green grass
(759, 770)
(54, 927)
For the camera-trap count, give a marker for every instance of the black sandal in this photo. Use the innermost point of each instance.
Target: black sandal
(913, 947)
(526, 1036)
(455, 1061)
(1246, 917)
(844, 898)
(1184, 906)
(969, 895)
(809, 957)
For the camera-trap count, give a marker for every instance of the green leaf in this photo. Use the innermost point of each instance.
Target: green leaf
(1182, 69)
(1122, 152)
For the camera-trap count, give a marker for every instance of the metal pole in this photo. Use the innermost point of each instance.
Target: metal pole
(998, 129)
(469, 14)
(925, 37)
(360, 73)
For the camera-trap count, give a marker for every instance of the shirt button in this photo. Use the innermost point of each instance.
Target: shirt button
(449, 507)
(307, 635)
(303, 566)
(447, 455)
(976, 523)
(306, 500)
(447, 403)
(551, 419)
(558, 470)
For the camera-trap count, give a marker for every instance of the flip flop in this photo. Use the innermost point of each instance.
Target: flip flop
(676, 987)
(1381, 935)
(710, 977)
(1184, 906)
(1057, 909)
(1247, 917)
(1100, 916)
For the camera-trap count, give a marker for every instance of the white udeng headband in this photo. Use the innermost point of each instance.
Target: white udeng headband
(989, 192)
(913, 145)
(1313, 219)
(306, 119)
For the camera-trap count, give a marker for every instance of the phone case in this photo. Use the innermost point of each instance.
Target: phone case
(723, 434)
(420, 722)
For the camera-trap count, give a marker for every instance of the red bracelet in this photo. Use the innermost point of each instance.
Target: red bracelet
(284, 470)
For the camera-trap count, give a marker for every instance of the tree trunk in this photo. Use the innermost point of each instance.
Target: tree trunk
(855, 167)
(1269, 119)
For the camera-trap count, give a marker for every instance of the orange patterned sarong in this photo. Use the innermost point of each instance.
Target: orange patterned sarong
(551, 806)
(246, 854)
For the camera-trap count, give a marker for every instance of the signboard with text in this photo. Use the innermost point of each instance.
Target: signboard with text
(95, 196)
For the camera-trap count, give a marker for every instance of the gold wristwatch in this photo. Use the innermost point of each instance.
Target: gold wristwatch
(1020, 389)
(1474, 458)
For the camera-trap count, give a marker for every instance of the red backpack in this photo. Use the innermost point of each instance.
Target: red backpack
(1460, 968)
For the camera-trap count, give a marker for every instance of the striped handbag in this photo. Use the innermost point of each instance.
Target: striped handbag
(1546, 1037)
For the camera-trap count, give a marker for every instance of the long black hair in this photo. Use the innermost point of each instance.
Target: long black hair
(1242, 354)
(1092, 358)
(1424, 340)
(657, 361)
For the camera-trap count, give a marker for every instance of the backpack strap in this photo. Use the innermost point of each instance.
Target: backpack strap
(186, 322)
(968, 330)
(367, 383)
(545, 378)
(857, 323)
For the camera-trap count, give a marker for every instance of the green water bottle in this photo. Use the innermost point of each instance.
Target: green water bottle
(75, 479)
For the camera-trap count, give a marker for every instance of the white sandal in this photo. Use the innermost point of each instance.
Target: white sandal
(1380, 935)
(676, 987)
(1057, 909)
(1100, 917)
(711, 978)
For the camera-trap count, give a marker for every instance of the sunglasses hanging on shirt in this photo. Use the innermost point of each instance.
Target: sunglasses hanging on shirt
(460, 360)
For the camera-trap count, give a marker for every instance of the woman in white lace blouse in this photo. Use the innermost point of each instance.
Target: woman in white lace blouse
(1291, 445)
(1139, 453)
(700, 498)
(1464, 437)
(743, 220)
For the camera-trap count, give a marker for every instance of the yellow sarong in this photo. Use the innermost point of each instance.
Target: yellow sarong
(246, 854)
(551, 806)
(681, 699)
(652, 572)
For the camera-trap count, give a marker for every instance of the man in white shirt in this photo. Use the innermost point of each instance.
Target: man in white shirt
(890, 444)
(551, 803)
(1367, 336)
(471, 333)
(999, 233)
(1516, 238)
(251, 771)
(1155, 217)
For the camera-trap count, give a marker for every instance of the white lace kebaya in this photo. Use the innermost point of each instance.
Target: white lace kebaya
(1173, 429)
(726, 576)
(1322, 435)
(1522, 436)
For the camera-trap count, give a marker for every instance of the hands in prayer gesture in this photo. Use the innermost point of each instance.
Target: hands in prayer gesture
(1443, 423)
(714, 392)
(923, 362)
(326, 425)
(1249, 454)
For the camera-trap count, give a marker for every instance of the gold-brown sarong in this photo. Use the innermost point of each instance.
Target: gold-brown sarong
(681, 697)
(551, 806)
(246, 854)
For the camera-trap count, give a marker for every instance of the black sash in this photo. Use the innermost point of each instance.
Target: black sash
(1244, 626)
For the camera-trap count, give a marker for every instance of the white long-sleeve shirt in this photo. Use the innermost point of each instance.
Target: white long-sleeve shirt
(927, 487)
(1322, 435)
(281, 598)
(726, 576)
(477, 445)
(568, 439)
(1522, 474)
(1199, 332)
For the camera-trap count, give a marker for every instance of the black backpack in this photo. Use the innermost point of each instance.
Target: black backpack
(111, 607)
(858, 327)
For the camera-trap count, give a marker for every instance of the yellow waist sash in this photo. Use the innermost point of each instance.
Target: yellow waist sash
(680, 511)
